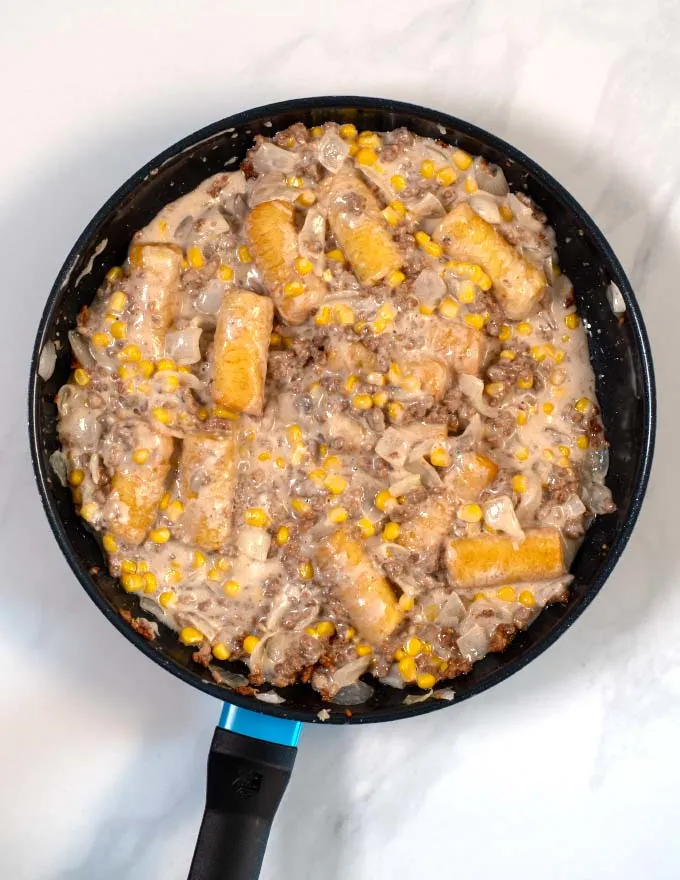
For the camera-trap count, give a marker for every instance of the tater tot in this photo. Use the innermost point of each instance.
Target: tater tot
(153, 287)
(207, 480)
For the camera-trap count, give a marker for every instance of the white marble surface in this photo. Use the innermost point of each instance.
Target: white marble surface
(570, 770)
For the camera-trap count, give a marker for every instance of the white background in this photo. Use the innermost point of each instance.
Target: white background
(570, 770)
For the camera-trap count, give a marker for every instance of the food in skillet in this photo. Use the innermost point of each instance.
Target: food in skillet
(335, 414)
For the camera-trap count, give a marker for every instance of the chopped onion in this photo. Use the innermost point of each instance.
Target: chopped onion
(254, 543)
(209, 299)
(333, 151)
(228, 678)
(270, 697)
(81, 349)
(268, 157)
(270, 188)
(393, 447)
(490, 177)
(486, 206)
(47, 361)
(523, 214)
(615, 299)
(342, 427)
(474, 643)
(59, 464)
(573, 507)
(445, 694)
(429, 287)
(312, 238)
(452, 611)
(412, 699)
(323, 714)
(378, 180)
(499, 514)
(404, 485)
(353, 694)
(598, 499)
(427, 206)
(428, 474)
(350, 672)
(183, 345)
(473, 389)
(393, 678)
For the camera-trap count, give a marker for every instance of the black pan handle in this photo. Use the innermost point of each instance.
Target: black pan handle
(246, 781)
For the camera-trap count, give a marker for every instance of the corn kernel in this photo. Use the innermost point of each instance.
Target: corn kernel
(195, 257)
(146, 369)
(582, 405)
(110, 543)
(519, 483)
(306, 570)
(231, 588)
(257, 517)
(462, 159)
(221, 412)
(524, 328)
(427, 169)
(426, 681)
(141, 455)
(101, 340)
(548, 454)
(89, 511)
(398, 182)
(548, 408)
(150, 582)
(114, 273)
(343, 314)
(426, 310)
(336, 255)
(162, 415)
(132, 583)
(471, 185)
(175, 510)
(362, 401)
(335, 484)
(159, 536)
(366, 527)
(293, 289)
(558, 377)
(582, 442)
(467, 293)
(190, 636)
(526, 598)
(507, 355)
(130, 353)
(506, 594)
(391, 531)
(494, 388)
(475, 320)
(571, 321)
(167, 598)
(506, 213)
(366, 156)
(413, 647)
(364, 650)
(118, 301)
(294, 434)
(504, 333)
(220, 651)
(391, 217)
(198, 559)
(525, 382)
(411, 383)
(382, 499)
(446, 176)
(408, 669)
(470, 513)
(348, 131)
(244, 255)
(76, 477)
(395, 278)
(380, 398)
(522, 454)
(164, 502)
(440, 457)
(395, 410)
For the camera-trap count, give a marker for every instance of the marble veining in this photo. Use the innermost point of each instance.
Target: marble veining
(569, 769)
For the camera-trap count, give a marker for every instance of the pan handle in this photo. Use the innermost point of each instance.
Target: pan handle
(251, 759)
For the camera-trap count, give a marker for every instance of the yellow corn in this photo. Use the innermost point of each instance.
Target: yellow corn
(571, 321)
(548, 454)
(391, 531)
(526, 598)
(525, 382)
(114, 273)
(382, 499)
(343, 314)
(582, 405)
(362, 401)
(294, 181)
(130, 353)
(175, 510)
(89, 511)
(257, 517)
(466, 292)
(244, 255)
(325, 628)
(524, 328)
(221, 412)
(446, 176)
(364, 650)
(117, 302)
(522, 417)
(128, 566)
(411, 383)
(337, 515)
(76, 477)
(293, 289)
(162, 415)
(250, 643)
(190, 636)
(506, 594)
(522, 454)
(519, 483)
(395, 410)
(299, 505)
(231, 588)
(348, 131)
(132, 583)
(426, 681)
(220, 651)
(336, 255)
(582, 442)
(335, 484)
(395, 278)
(462, 159)
(303, 266)
(380, 398)
(440, 457)
(195, 257)
(504, 333)
(225, 273)
(294, 434)
(82, 377)
(150, 582)
(471, 185)
(398, 182)
(493, 388)
(475, 320)
(110, 543)
(564, 450)
(413, 647)
(470, 513)
(408, 669)
(506, 213)
(306, 570)
(427, 169)
(507, 355)
(548, 408)
(391, 216)
(366, 156)
(101, 340)
(198, 559)
(141, 455)
(426, 310)
(317, 131)
(159, 536)
(406, 603)
(167, 598)
(366, 527)
(146, 369)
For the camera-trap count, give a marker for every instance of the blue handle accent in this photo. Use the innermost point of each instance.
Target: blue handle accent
(266, 727)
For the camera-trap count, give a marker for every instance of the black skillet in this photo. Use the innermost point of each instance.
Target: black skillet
(250, 762)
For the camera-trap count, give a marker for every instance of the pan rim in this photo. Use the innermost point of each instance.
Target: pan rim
(616, 272)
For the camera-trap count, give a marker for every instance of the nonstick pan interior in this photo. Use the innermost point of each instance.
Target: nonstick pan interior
(618, 346)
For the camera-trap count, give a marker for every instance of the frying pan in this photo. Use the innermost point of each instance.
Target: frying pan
(253, 749)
